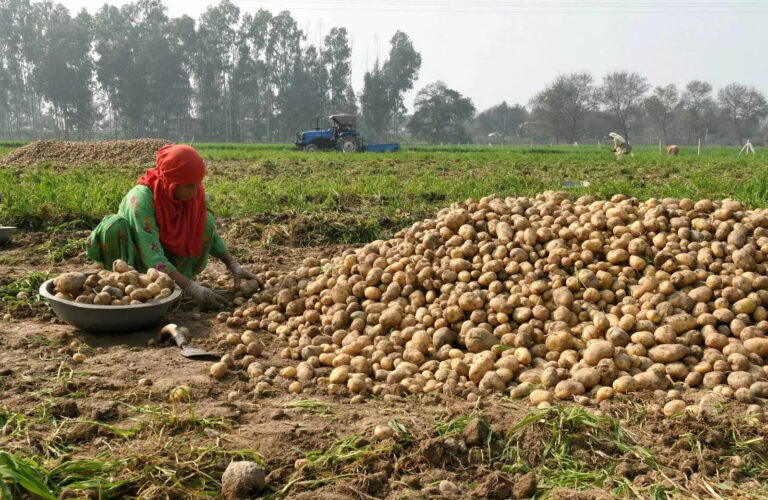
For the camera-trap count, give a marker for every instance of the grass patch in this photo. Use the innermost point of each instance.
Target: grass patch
(317, 407)
(23, 292)
(357, 198)
(569, 447)
(452, 427)
(18, 475)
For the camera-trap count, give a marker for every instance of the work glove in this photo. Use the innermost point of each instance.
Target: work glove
(240, 274)
(205, 297)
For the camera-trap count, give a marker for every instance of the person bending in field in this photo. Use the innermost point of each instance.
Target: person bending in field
(620, 146)
(164, 223)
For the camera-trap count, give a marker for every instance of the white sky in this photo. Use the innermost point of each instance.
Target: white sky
(494, 50)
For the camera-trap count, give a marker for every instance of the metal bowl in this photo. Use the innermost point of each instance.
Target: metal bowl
(5, 234)
(108, 319)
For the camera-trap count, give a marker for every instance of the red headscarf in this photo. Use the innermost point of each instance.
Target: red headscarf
(181, 223)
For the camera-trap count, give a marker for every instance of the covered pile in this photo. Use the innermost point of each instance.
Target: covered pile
(136, 152)
(545, 297)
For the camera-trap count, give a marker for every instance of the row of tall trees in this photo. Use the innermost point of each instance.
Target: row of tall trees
(133, 71)
(228, 76)
(574, 107)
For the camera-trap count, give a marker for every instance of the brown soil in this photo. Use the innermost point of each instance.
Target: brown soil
(98, 410)
(135, 152)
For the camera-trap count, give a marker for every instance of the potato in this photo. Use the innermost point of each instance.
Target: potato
(588, 377)
(69, 283)
(92, 280)
(481, 365)
(218, 370)
(382, 433)
(597, 350)
(567, 389)
(740, 379)
(140, 295)
(668, 353)
(153, 289)
(604, 393)
(538, 396)
(120, 266)
(295, 387)
(103, 298)
(356, 385)
(674, 407)
(339, 375)
(479, 339)
(625, 384)
(165, 281)
(757, 345)
(181, 393)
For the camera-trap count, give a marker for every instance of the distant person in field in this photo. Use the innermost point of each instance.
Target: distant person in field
(672, 150)
(164, 223)
(620, 146)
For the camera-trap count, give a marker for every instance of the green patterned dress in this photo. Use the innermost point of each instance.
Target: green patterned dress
(132, 235)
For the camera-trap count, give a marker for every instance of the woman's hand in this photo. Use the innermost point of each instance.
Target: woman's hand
(238, 271)
(240, 274)
(205, 297)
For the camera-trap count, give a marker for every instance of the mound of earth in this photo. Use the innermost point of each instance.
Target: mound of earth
(135, 152)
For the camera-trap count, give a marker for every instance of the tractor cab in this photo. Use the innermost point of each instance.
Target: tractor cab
(344, 123)
(342, 136)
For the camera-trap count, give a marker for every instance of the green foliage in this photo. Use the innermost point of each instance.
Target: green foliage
(246, 76)
(141, 64)
(442, 114)
(23, 291)
(354, 198)
(745, 106)
(621, 94)
(502, 118)
(336, 55)
(384, 86)
(19, 473)
(561, 108)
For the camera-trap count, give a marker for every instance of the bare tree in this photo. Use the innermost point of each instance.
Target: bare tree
(746, 106)
(661, 107)
(698, 109)
(621, 95)
(563, 104)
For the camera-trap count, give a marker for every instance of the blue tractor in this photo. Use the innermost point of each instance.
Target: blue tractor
(342, 136)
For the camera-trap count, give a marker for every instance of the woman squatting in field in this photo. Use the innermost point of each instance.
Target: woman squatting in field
(164, 223)
(620, 146)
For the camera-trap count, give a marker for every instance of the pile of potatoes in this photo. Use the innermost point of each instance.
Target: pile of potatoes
(122, 286)
(548, 298)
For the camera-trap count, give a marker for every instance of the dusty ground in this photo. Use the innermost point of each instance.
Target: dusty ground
(94, 432)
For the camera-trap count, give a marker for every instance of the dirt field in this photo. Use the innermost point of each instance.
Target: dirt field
(93, 431)
(99, 430)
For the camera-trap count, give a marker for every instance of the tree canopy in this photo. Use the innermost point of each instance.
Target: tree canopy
(441, 114)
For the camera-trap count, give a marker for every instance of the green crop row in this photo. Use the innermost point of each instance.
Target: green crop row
(373, 189)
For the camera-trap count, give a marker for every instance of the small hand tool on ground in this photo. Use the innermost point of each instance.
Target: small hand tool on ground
(178, 334)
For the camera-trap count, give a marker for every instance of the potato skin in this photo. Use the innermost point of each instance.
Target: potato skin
(70, 283)
(141, 294)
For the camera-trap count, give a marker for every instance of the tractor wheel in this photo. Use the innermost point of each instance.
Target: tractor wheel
(311, 148)
(349, 145)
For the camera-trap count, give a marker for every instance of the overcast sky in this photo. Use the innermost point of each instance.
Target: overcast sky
(494, 50)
